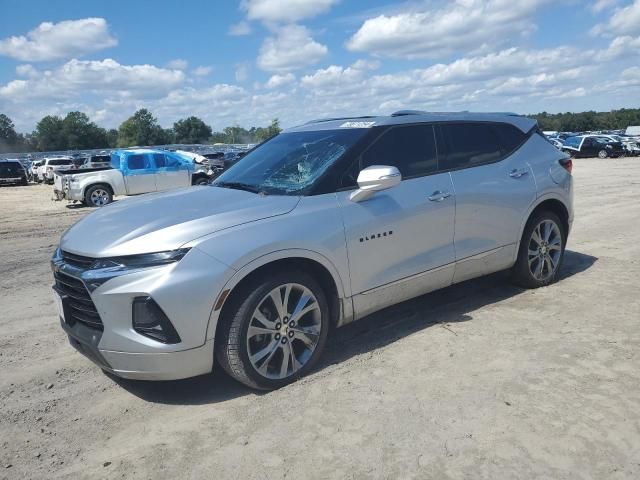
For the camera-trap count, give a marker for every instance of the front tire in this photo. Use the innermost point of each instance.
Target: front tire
(98, 196)
(541, 251)
(274, 330)
(603, 154)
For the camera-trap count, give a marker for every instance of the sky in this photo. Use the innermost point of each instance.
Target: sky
(249, 61)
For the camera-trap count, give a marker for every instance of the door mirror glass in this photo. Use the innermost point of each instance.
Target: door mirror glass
(375, 179)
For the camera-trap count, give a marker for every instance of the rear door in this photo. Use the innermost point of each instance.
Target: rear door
(494, 188)
(397, 236)
(169, 172)
(139, 176)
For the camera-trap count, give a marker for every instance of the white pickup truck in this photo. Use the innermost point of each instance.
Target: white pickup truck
(132, 172)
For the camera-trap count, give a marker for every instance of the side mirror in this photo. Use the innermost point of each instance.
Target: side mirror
(375, 179)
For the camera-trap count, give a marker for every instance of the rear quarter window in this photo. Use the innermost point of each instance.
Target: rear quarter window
(466, 145)
(510, 137)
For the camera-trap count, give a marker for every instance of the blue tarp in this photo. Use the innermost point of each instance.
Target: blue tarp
(140, 162)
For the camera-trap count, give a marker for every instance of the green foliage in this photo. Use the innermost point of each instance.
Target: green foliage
(191, 130)
(80, 133)
(585, 121)
(237, 134)
(142, 129)
(8, 135)
(49, 134)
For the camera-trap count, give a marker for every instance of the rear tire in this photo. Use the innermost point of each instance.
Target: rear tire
(98, 196)
(265, 345)
(541, 251)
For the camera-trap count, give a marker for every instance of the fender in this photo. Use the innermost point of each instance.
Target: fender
(532, 207)
(260, 261)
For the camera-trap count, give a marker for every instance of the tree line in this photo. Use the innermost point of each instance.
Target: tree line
(76, 131)
(588, 121)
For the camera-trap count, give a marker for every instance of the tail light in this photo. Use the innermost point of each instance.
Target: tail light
(567, 164)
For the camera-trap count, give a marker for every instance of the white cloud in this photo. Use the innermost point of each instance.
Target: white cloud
(601, 5)
(66, 39)
(26, 70)
(436, 33)
(202, 71)
(277, 81)
(178, 64)
(242, 72)
(292, 48)
(79, 77)
(285, 10)
(240, 28)
(624, 21)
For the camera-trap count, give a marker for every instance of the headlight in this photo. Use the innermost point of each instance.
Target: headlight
(143, 260)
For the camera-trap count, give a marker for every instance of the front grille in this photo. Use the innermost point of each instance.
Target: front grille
(77, 260)
(78, 303)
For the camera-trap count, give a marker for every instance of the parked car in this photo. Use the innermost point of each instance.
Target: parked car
(133, 172)
(34, 170)
(320, 225)
(592, 146)
(96, 161)
(50, 165)
(12, 172)
(203, 172)
(629, 144)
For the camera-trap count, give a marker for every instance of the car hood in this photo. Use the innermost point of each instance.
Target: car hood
(165, 221)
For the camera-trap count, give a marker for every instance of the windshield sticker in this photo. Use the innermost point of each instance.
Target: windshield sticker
(357, 124)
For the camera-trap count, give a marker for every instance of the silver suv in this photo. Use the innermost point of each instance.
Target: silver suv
(317, 227)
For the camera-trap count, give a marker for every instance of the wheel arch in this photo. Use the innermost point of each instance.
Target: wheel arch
(103, 184)
(550, 203)
(314, 263)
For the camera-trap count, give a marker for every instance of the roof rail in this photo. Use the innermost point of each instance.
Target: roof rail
(320, 120)
(402, 113)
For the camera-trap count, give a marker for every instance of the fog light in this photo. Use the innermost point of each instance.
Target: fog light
(149, 320)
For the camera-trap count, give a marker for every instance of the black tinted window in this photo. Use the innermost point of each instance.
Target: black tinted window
(510, 137)
(137, 162)
(411, 149)
(60, 162)
(468, 144)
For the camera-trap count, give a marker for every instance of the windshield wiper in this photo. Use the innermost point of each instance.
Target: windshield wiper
(240, 186)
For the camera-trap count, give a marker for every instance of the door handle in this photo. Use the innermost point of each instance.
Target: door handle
(518, 173)
(439, 196)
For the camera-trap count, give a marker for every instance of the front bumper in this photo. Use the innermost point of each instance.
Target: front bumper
(11, 180)
(140, 366)
(184, 290)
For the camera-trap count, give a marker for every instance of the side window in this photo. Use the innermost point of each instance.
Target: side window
(468, 144)
(137, 162)
(510, 137)
(411, 149)
(172, 161)
(160, 160)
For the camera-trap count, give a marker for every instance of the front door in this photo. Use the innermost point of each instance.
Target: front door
(170, 173)
(139, 176)
(400, 241)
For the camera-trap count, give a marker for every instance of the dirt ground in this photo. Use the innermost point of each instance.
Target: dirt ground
(481, 380)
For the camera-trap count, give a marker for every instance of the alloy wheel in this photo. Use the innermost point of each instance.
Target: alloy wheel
(545, 250)
(99, 197)
(284, 331)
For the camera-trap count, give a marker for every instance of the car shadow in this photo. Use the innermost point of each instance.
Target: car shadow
(79, 205)
(440, 309)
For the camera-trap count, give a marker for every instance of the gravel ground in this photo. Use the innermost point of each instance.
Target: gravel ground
(480, 380)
